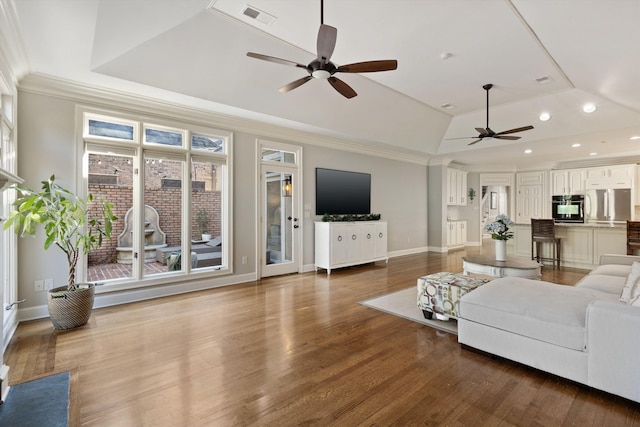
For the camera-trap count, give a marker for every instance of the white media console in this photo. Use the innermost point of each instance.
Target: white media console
(342, 244)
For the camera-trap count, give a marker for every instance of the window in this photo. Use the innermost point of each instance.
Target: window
(163, 137)
(110, 130)
(170, 199)
(207, 143)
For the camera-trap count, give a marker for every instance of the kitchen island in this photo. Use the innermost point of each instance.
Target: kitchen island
(581, 244)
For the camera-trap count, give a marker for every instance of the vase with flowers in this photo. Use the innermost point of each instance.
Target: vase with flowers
(499, 230)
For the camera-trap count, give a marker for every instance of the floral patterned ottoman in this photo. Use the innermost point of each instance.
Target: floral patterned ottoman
(439, 293)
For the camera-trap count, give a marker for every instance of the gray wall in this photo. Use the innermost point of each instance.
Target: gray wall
(398, 193)
(47, 135)
(437, 184)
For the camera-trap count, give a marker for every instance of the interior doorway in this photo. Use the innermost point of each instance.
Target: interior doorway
(496, 198)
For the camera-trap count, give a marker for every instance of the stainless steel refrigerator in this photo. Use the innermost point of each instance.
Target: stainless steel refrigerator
(607, 205)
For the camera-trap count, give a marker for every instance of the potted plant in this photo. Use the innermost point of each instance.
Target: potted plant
(69, 225)
(203, 223)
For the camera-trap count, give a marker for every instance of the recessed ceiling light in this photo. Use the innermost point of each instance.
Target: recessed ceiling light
(545, 116)
(448, 106)
(593, 154)
(576, 145)
(528, 151)
(635, 137)
(589, 108)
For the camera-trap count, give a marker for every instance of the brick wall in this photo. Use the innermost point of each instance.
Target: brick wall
(168, 204)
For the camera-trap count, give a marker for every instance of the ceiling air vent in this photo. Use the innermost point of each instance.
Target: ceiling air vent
(258, 15)
(448, 106)
(543, 79)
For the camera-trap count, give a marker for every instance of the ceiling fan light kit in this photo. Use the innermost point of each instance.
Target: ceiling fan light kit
(323, 68)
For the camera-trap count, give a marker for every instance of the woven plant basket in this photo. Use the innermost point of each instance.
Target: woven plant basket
(70, 309)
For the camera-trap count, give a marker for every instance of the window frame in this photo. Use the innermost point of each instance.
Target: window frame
(223, 160)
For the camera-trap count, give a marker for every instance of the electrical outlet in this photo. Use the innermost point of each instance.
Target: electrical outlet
(38, 286)
(48, 284)
(244, 260)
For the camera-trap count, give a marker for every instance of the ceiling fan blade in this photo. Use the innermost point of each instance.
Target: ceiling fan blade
(344, 89)
(369, 66)
(510, 138)
(294, 84)
(482, 131)
(473, 142)
(464, 137)
(326, 42)
(274, 59)
(522, 129)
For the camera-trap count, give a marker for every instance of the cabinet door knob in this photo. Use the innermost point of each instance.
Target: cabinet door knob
(353, 237)
(339, 238)
(368, 235)
(380, 235)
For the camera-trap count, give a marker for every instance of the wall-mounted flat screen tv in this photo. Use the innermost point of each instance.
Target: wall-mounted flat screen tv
(342, 192)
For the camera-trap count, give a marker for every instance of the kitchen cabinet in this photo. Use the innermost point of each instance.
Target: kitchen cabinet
(609, 241)
(618, 176)
(456, 187)
(456, 233)
(576, 245)
(568, 181)
(343, 244)
(580, 246)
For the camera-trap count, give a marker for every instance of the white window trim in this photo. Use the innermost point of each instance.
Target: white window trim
(224, 159)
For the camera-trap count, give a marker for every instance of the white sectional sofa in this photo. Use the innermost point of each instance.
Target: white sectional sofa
(584, 333)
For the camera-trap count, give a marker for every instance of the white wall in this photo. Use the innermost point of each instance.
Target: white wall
(47, 145)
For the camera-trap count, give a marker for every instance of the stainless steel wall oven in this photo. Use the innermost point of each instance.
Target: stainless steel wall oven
(568, 208)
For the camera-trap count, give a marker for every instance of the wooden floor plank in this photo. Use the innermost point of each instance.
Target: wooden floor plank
(299, 350)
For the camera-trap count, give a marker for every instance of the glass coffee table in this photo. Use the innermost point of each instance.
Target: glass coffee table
(512, 267)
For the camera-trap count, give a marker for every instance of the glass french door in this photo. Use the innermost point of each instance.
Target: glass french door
(280, 230)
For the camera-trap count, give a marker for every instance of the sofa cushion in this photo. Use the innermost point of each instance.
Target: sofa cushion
(540, 310)
(612, 270)
(631, 283)
(600, 282)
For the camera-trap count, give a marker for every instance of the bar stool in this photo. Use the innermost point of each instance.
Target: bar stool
(543, 231)
(633, 236)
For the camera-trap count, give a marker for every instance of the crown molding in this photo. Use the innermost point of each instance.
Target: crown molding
(136, 104)
(590, 163)
(14, 63)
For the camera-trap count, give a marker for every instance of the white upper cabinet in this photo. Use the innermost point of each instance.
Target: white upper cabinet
(456, 187)
(619, 176)
(569, 181)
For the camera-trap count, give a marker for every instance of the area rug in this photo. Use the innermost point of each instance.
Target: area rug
(41, 402)
(404, 304)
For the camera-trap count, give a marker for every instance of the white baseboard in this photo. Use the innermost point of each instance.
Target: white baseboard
(108, 299)
(412, 251)
(308, 268)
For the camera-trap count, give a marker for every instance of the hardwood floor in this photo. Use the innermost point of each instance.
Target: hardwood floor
(298, 350)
